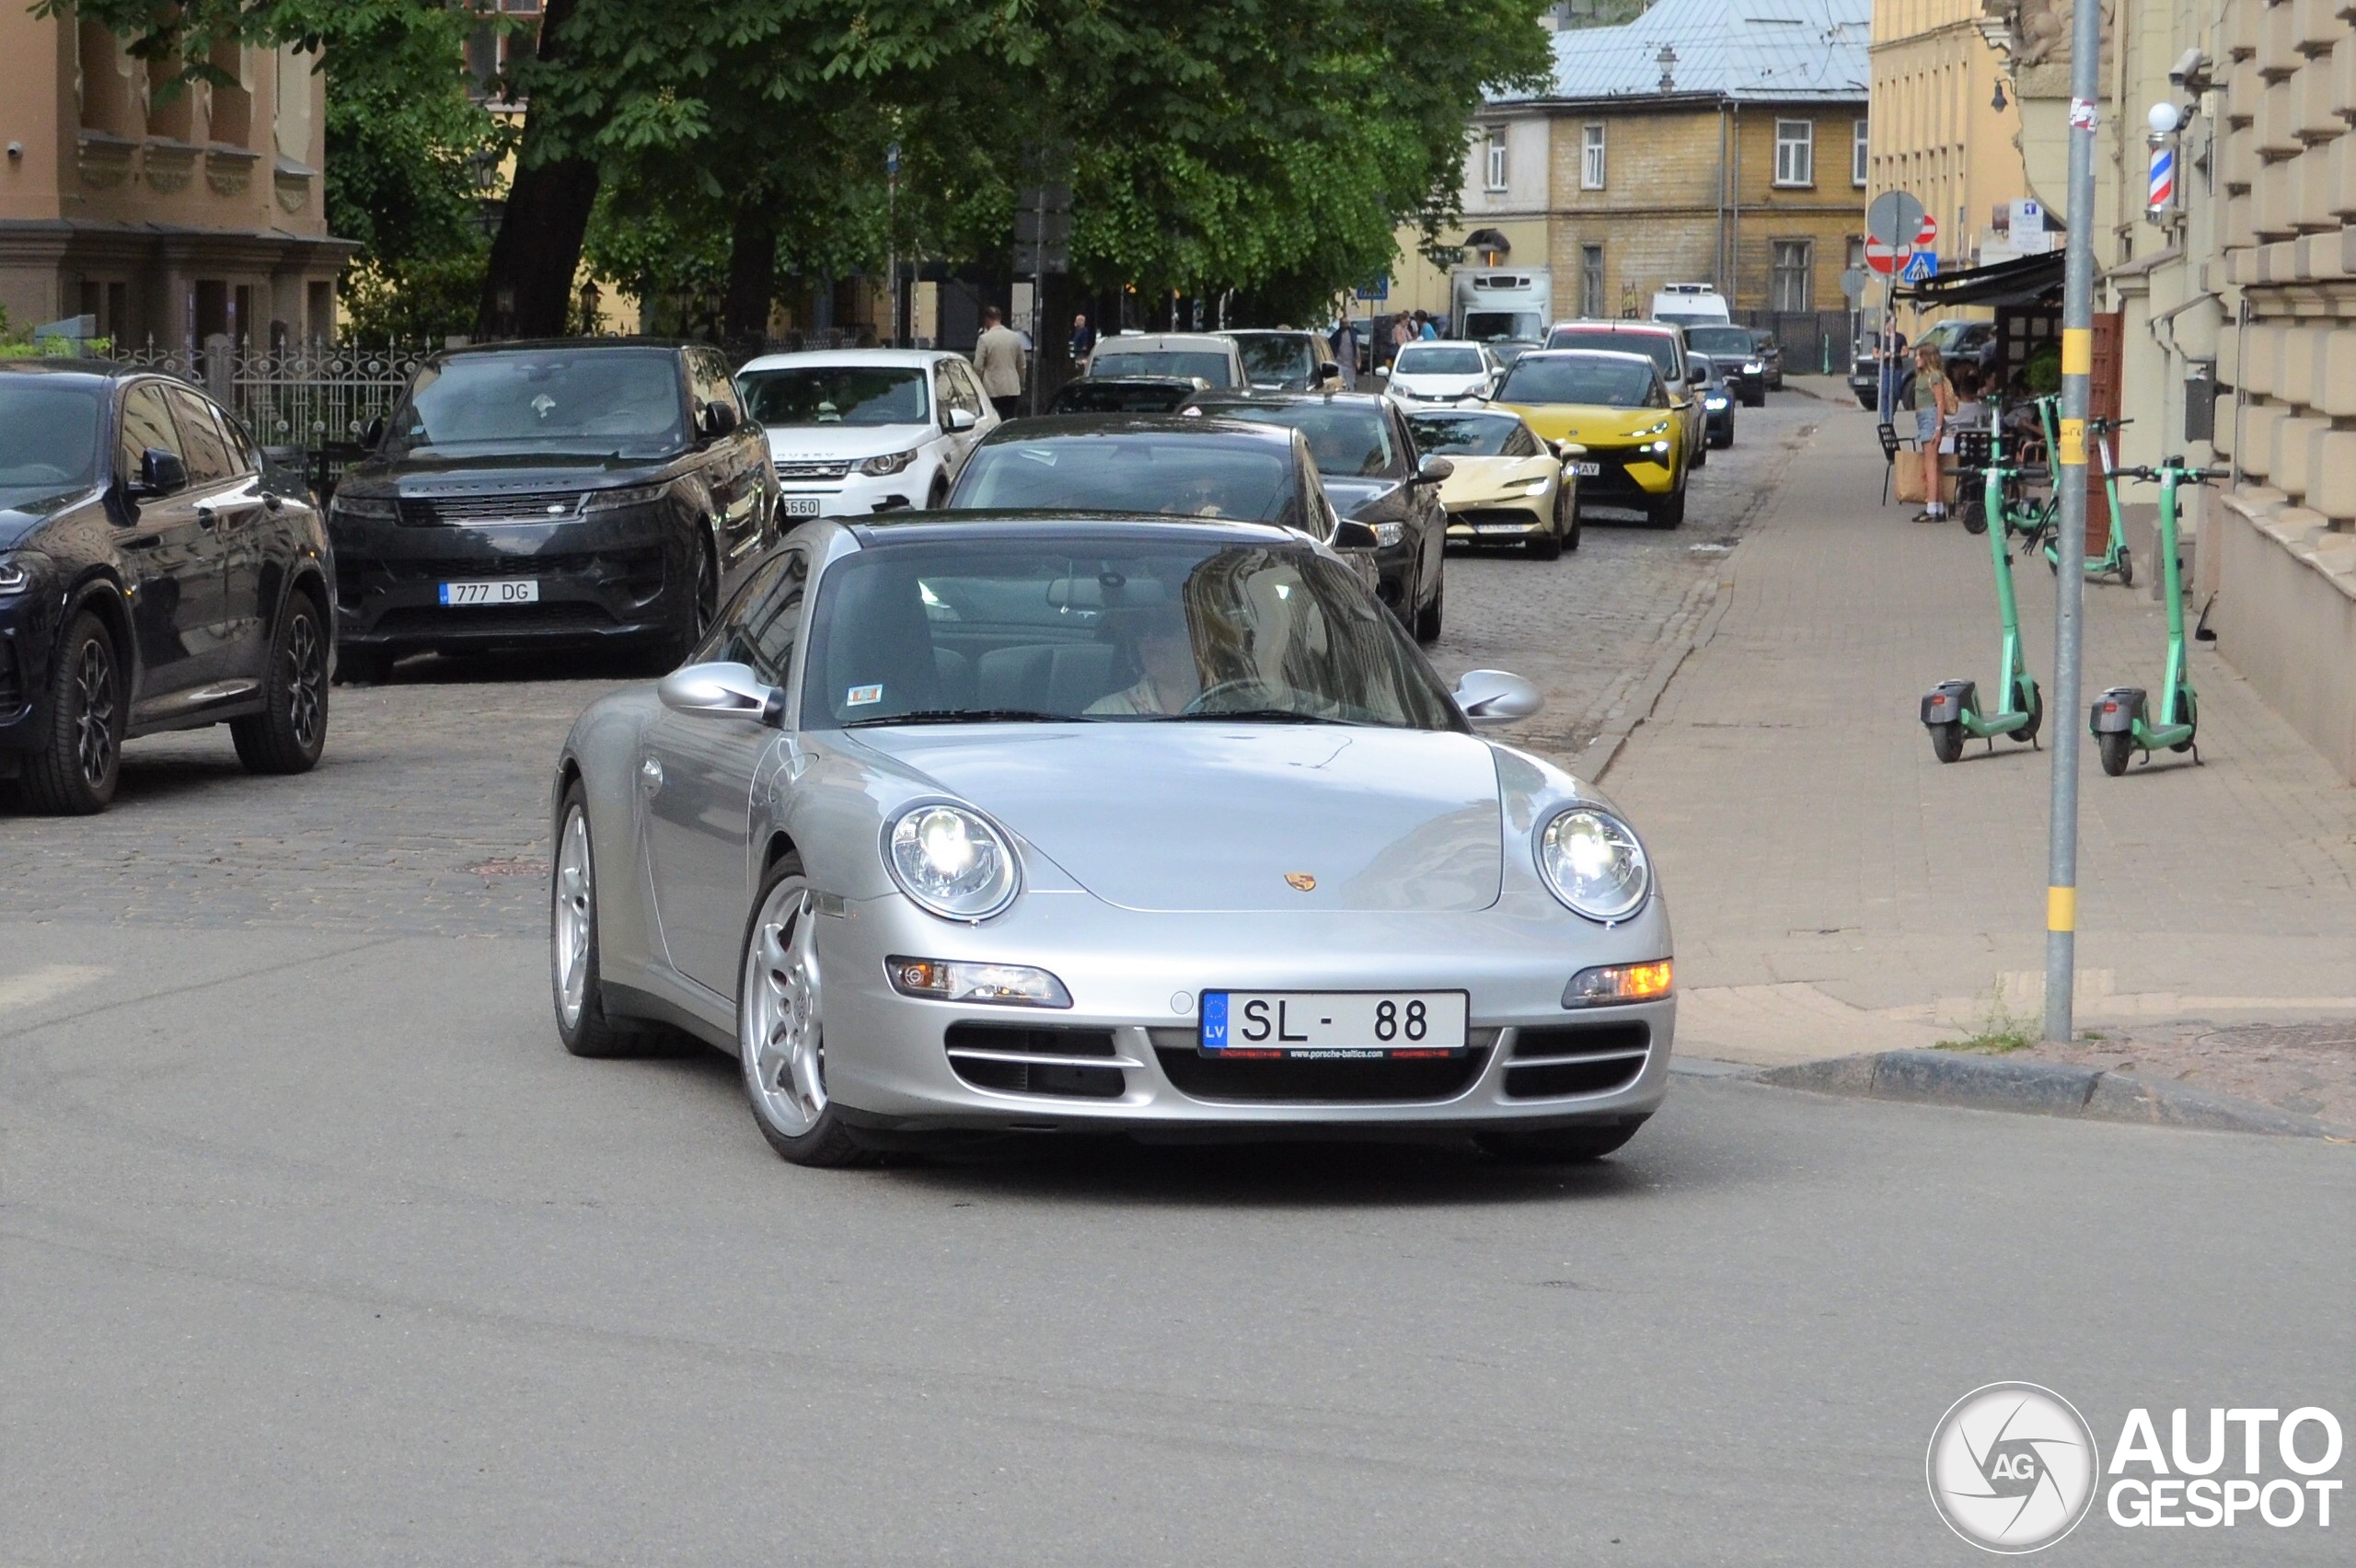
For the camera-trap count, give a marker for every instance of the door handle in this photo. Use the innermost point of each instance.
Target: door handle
(650, 775)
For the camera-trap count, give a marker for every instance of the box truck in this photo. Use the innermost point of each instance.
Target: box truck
(1491, 304)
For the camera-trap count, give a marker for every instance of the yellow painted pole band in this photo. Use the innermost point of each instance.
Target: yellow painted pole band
(2061, 908)
(2077, 351)
(2072, 439)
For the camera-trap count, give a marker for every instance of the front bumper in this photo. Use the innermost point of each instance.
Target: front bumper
(27, 639)
(852, 495)
(1625, 476)
(1495, 517)
(608, 577)
(1124, 1057)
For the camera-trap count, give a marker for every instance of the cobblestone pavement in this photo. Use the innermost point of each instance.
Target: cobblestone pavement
(428, 813)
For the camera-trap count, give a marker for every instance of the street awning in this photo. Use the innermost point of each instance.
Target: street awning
(2025, 280)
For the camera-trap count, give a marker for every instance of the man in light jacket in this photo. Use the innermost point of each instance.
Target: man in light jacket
(998, 360)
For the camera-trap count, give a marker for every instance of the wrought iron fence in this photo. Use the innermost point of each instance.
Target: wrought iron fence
(306, 407)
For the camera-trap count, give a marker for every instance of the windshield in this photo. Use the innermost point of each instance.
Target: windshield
(1464, 436)
(1177, 474)
(1506, 350)
(1275, 357)
(837, 395)
(607, 402)
(48, 436)
(1099, 627)
(1732, 341)
(1212, 367)
(1657, 346)
(1440, 359)
(1090, 395)
(1351, 440)
(1593, 379)
(1488, 326)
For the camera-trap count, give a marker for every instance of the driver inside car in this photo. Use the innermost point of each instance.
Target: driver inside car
(1162, 649)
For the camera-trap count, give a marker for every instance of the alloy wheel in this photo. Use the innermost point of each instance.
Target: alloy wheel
(782, 1027)
(307, 678)
(576, 899)
(94, 726)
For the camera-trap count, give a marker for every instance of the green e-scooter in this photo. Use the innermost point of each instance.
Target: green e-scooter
(1953, 711)
(2114, 561)
(2120, 719)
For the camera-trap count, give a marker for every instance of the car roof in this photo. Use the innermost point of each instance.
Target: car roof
(912, 359)
(541, 345)
(1267, 332)
(1224, 399)
(1151, 340)
(1587, 324)
(80, 369)
(1127, 380)
(1414, 414)
(914, 526)
(1549, 355)
(1443, 343)
(1075, 427)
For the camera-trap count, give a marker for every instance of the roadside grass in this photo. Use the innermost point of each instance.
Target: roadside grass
(2000, 1033)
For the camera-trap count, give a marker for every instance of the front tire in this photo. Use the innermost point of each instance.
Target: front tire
(1427, 619)
(75, 771)
(1670, 510)
(581, 1021)
(1548, 546)
(781, 1026)
(696, 616)
(1558, 1145)
(291, 731)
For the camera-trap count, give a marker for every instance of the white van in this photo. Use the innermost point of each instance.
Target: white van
(1691, 305)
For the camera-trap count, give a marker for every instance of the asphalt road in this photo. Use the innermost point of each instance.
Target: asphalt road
(315, 1249)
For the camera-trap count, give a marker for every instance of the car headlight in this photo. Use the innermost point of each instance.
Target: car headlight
(1537, 486)
(1715, 400)
(1752, 367)
(1594, 863)
(16, 576)
(951, 861)
(890, 463)
(615, 500)
(947, 980)
(362, 508)
(1658, 448)
(1652, 430)
(1388, 534)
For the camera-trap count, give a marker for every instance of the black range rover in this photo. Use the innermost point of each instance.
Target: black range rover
(586, 491)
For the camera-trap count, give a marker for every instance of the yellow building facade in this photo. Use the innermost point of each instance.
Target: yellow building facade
(1943, 130)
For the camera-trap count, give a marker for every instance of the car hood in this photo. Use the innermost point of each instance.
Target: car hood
(1485, 478)
(1153, 817)
(1589, 424)
(1438, 386)
(1363, 501)
(833, 443)
(479, 476)
(21, 512)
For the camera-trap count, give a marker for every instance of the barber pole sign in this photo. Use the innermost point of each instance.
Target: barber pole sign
(2162, 197)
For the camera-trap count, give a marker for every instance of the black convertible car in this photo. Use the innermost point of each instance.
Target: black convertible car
(154, 575)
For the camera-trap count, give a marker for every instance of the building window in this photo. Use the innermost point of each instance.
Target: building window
(1792, 288)
(1496, 164)
(1592, 281)
(1592, 158)
(1858, 145)
(1796, 152)
(1856, 261)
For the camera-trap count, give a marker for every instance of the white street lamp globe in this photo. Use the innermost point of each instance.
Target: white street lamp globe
(2163, 119)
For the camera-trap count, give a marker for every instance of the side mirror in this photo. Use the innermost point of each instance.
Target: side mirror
(717, 420)
(1695, 375)
(1329, 372)
(1351, 536)
(1382, 372)
(962, 420)
(1490, 697)
(722, 691)
(161, 472)
(1432, 470)
(1566, 450)
(372, 435)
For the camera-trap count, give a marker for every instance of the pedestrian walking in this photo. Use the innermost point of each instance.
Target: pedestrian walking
(1934, 414)
(1083, 339)
(1345, 343)
(1426, 330)
(998, 360)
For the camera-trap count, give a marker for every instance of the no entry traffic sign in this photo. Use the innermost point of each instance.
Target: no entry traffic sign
(1882, 259)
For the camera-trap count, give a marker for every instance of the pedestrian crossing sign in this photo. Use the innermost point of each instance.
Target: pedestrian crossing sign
(1920, 265)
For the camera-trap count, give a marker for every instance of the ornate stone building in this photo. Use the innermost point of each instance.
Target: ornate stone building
(175, 216)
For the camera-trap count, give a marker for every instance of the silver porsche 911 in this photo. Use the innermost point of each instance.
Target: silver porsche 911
(1155, 826)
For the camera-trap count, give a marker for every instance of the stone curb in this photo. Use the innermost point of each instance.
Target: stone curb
(2041, 1088)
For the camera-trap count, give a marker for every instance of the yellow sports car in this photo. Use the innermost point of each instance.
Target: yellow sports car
(1508, 484)
(1616, 406)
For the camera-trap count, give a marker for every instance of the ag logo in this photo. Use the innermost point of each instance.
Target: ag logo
(2012, 1468)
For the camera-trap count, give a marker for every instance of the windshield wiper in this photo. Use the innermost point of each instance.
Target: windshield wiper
(1263, 715)
(969, 715)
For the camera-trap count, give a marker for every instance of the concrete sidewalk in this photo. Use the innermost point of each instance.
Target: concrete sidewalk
(1838, 891)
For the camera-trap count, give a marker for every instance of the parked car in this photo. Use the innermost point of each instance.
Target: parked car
(1771, 360)
(1367, 456)
(1504, 350)
(1738, 355)
(1962, 343)
(1690, 305)
(1717, 404)
(1440, 374)
(1622, 426)
(1509, 485)
(1864, 376)
(1661, 342)
(1125, 394)
(1158, 826)
(853, 431)
(155, 574)
(1215, 360)
(1284, 360)
(591, 492)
